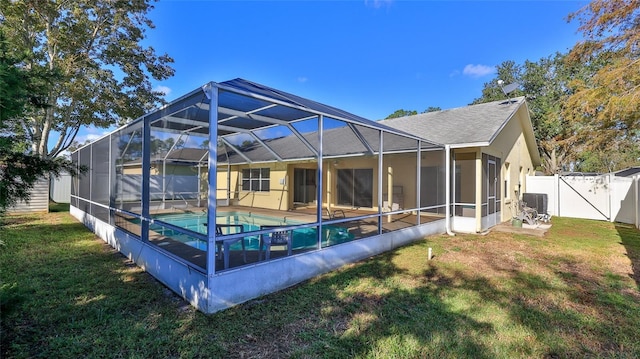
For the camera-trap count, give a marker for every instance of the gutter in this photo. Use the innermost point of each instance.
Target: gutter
(447, 171)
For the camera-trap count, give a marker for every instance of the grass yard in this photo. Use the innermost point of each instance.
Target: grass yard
(573, 293)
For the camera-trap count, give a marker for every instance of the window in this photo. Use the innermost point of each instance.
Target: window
(507, 182)
(255, 179)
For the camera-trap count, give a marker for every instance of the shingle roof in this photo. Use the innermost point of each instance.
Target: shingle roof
(464, 125)
(336, 142)
(629, 172)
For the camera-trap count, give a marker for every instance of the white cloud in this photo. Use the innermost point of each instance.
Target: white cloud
(93, 136)
(478, 70)
(164, 89)
(91, 133)
(302, 79)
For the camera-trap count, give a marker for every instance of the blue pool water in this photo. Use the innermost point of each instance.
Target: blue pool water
(196, 222)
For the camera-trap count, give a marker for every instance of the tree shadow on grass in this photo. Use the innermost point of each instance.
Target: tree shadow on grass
(630, 238)
(572, 308)
(377, 308)
(79, 297)
(558, 307)
(68, 294)
(357, 312)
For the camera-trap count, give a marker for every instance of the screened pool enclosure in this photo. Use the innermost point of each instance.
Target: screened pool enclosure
(264, 191)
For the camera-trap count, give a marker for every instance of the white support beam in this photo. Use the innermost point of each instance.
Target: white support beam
(266, 146)
(361, 138)
(236, 150)
(304, 140)
(248, 115)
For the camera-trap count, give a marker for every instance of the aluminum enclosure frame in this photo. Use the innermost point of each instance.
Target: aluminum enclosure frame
(210, 291)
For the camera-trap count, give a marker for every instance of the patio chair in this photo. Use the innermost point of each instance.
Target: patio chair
(277, 238)
(527, 214)
(337, 213)
(539, 201)
(224, 244)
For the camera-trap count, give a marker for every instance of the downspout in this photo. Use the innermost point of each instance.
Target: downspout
(447, 188)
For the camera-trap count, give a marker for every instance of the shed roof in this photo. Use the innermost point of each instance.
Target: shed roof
(628, 172)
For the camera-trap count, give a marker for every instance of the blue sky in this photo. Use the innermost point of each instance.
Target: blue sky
(368, 57)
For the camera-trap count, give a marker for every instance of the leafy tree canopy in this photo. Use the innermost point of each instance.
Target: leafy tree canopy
(432, 109)
(85, 60)
(19, 169)
(605, 104)
(545, 83)
(508, 72)
(401, 113)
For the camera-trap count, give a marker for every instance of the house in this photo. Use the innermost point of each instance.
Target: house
(493, 149)
(286, 188)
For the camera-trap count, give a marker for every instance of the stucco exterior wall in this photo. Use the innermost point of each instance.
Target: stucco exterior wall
(403, 176)
(333, 166)
(517, 162)
(278, 195)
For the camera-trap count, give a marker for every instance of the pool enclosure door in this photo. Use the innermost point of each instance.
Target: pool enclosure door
(492, 202)
(472, 177)
(304, 185)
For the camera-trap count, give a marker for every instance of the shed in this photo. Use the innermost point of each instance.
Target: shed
(39, 201)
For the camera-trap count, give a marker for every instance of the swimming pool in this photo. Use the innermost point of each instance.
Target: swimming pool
(250, 222)
(303, 238)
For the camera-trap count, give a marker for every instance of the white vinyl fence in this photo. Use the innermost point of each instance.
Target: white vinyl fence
(60, 188)
(605, 197)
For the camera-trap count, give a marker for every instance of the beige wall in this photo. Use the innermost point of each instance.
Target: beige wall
(132, 170)
(403, 174)
(466, 160)
(276, 198)
(517, 161)
(233, 179)
(332, 166)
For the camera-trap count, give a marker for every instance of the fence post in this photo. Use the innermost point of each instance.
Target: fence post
(636, 185)
(612, 193)
(556, 193)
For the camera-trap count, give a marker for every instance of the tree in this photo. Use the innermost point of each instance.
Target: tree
(87, 62)
(432, 109)
(541, 84)
(401, 113)
(509, 72)
(19, 169)
(605, 104)
(545, 84)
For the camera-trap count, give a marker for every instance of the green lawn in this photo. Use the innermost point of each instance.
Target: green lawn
(572, 293)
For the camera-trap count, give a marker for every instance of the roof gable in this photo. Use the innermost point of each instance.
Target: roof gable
(470, 125)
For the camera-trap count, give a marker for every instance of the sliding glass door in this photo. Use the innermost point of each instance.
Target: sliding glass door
(304, 185)
(355, 187)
